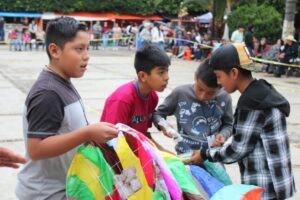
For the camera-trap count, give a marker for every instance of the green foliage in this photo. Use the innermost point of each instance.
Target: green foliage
(279, 5)
(267, 21)
(197, 6)
(143, 7)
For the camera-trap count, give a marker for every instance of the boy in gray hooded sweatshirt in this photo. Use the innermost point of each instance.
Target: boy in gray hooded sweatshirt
(203, 112)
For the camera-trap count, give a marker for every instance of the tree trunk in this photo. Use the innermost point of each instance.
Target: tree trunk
(226, 28)
(213, 20)
(289, 17)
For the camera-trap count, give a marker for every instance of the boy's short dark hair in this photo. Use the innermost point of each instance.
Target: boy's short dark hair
(62, 30)
(240, 26)
(149, 57)
(250, 27)
(206, 74)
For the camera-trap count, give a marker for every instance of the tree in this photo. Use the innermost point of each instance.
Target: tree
(229, 4)
(143, 7)
(289, 17)
(266, 20)
(217, 7)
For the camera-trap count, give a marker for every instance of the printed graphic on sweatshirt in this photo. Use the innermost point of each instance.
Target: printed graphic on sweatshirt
(197, 122)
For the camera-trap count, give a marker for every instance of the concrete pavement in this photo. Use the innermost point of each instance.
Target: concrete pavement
(106, 71)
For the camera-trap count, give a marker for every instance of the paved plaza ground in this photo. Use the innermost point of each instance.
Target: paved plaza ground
(106, 71)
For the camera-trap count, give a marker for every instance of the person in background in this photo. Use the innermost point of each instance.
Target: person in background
(116, 34)
(249, 39)
(288, 55)
(2, 33)
(205, 46)
(105, 35)
(131, 33)
(274, 51)
(26, 40)
(273, 54)
(179, 35)
(290, 50)
(196, 46)
(157, 35)
(17, 35)
(238, 35)
(96, 29)
(40, 38)
(263, 48)
(145, 34)
(32, 30)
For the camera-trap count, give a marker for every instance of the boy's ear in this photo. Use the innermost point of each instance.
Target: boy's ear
(142, 76)
(235, 73)
(54, 50)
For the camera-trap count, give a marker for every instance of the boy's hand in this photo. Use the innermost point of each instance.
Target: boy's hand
(219, 140)
(101, 132)
(195, 159)
(165, 132)
(10, 159)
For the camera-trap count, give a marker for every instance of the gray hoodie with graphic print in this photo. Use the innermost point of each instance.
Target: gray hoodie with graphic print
(196, 120)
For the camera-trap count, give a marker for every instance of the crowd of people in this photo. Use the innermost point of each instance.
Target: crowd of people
(134, 35)
(26, 37)
(176, 39)
(187, 43)
(285, 50)
(190, 43)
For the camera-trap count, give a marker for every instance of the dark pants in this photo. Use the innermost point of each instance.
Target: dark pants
(197, 54)
(250, 49)
(205, 53)
(1, 35)
(96, 42)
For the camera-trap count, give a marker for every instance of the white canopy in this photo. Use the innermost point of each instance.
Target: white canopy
(205, 18)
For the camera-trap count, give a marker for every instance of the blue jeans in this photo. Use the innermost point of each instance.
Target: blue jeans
(104, 40)
(139, 43)
(115, 43)
(17, 44)
(161, 45)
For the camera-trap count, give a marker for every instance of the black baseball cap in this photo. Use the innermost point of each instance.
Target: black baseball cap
(231, 55)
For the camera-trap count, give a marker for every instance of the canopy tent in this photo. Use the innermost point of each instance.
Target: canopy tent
(205, 18)
(183, 20)
(86, 16)
(78, 16)
(20, 14)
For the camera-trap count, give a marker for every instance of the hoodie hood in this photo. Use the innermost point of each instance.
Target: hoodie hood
(261, 95)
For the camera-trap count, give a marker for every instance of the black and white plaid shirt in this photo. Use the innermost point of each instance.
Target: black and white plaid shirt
(260, 145)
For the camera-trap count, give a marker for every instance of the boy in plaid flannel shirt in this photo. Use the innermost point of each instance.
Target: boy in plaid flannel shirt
(260, 141)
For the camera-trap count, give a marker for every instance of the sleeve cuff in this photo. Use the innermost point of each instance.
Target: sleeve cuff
(203, 153)
(226, 134)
